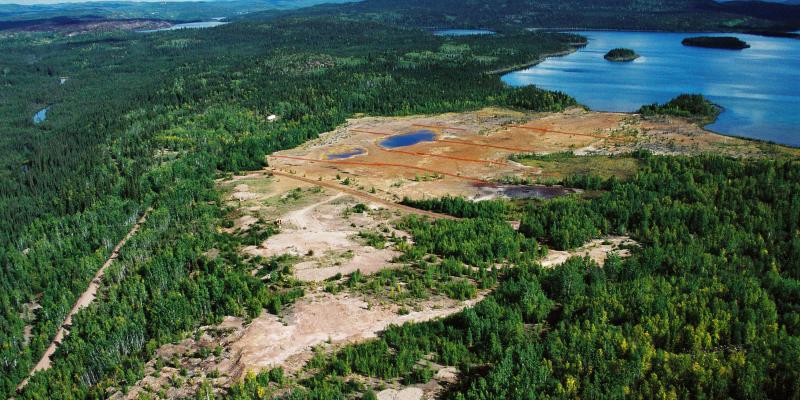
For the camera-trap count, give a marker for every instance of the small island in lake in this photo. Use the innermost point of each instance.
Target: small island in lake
(716, 42)
(620, 54)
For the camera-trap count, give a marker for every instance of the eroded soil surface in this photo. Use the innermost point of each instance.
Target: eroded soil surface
(328, 200)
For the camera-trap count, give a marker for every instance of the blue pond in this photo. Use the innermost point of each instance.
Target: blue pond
(462, 32)
(346, 154)
(408, 139)
(759, 87)
(40, 116)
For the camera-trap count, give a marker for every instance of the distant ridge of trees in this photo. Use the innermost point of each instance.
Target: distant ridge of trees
(672, 15)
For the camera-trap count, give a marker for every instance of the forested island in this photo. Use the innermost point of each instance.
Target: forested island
(716, 42)
(621, 55)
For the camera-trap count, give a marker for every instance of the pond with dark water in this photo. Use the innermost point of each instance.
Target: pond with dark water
(408, 139)
(346, 154)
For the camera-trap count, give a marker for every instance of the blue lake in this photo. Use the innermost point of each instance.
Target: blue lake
(40, 116)
(346, 154)
(188, 25)
(759, 87)
(408, 139)
(462, 32)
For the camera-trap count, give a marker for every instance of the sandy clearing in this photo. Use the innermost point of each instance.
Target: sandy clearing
(367, 261)
(302, 233)
(242, 192)
(320, 319)
(321, 234)
(596, 249)
(411, 393)
(359, 194)
(344, 318)
(86, 298)
(315, 225)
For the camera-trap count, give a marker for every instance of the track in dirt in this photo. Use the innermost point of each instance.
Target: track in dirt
(86, 298)
(454, 158)
(364, 196)
(371, 164)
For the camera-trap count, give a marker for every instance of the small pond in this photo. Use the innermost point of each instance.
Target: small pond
(188, 25)
(408, 139)
(462, 32)
(346, 154)
(40, 116)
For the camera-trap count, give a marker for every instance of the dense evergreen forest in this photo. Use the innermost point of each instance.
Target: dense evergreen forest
(707, 306)
(671, 15)
(148, 120)
(21, 15)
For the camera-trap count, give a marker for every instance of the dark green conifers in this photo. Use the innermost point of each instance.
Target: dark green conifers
(716, 42)
(692, 106)
(621, 55)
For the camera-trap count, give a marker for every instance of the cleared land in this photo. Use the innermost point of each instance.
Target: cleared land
(470, 154)
(334, 201)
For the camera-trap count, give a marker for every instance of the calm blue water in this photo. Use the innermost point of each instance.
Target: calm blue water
(40, 116)
(759, 87)
(462, 32)
(189, 25)
(408, 139)
(346, 154)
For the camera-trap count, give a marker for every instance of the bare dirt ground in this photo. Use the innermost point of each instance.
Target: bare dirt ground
(317, 226)
(321, 319)
(597, 250)
(86, 298)
(325, 237)
(443, 377)
(471, 150)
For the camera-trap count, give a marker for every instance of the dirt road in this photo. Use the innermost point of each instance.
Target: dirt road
(361, 195)
(84, 300)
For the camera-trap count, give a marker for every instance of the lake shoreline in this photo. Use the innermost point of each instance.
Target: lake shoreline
(596, 84)
(557, 30)
(518, 67)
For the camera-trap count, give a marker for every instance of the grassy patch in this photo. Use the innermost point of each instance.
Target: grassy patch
(561, 165)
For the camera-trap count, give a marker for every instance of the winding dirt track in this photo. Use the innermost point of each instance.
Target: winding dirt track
(84, 300)
(364, 196)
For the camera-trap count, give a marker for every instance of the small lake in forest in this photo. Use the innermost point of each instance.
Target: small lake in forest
(759, 87)
(408, 139)
(462, 32)
(40, 116)
(188, 25)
